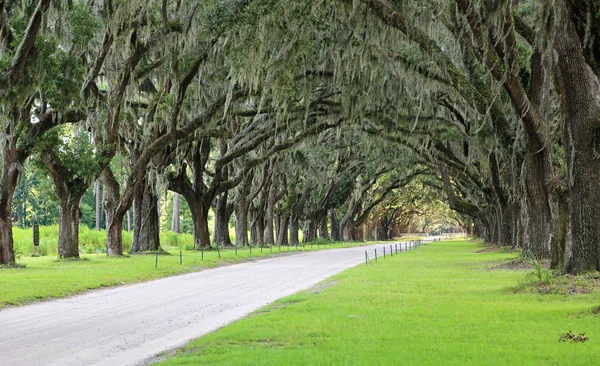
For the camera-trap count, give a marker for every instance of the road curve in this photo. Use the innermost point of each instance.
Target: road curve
(129, 324)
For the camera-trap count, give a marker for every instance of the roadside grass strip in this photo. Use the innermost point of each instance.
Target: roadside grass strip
(46, 277)
(441, 304)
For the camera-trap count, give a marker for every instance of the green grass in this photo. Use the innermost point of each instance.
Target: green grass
(42, 278)
(438, 305)
(90, 240)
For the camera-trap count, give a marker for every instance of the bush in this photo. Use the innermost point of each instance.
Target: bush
(49, 246)
(539, 274)
(90, 240)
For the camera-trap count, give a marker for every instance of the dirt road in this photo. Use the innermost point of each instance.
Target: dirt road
(130, 324)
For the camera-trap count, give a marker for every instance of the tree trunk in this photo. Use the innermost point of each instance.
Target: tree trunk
(335, 226)
(382, 233)
(323, 234)
(68, 233)
(114, 217)
(309, 231)
(505, 224)
(563, 227)
(580, 92)
(98, 206)
(175, 218)
(268, 230)
(253, 233)
(7, 254)
(200, 224)
(241, 222)
(221, 232)
(259, 224)
(8, 185)
(538, 220)
(146, 221)
(294, 227)
(114, 236)
(282, 234)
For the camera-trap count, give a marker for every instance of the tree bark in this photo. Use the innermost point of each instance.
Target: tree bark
(580, 92)
(309, 231)
(323, 233)
(114, 237)
(294, 227)
(269, 216)
(259, 219)
(282, 234)
(7, 254)
(114, 221)
(175, 218)
(559, 255)
(241, 222)
(98, 206)
(200, 225)
(335, 226)
(68, 235)
(146, 221)
(69, 190)
(221, 232)
(8, 185)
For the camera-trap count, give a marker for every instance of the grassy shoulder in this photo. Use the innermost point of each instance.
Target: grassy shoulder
(441, 304)
(42, 278)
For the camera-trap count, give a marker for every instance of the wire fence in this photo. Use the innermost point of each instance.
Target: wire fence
(374, 253)
(391, 249)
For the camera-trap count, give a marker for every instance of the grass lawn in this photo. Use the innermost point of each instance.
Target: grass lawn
(438, 305)
(46, 277)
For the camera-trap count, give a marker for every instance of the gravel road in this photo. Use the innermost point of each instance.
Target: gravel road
(130, 324)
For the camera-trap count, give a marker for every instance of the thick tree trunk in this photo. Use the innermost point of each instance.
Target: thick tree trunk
(175, 217)
(580, 91)
(200, 224)
(8, 185)
(7, 254)
(259, 225)
(98, 206)
(346, 232)
(309, 231)
(269, 216)
(253, 233)
(68, 233)
(221, 232)
(114, 217)
(505, 224)
(335, 226)
(282, 234)
(323, 233)
(114, 236)
(538, 221)
(277, 225)
(241, 222)
(146, 221)
(563, 227)
(114, 220)
(383, 232)
(294, 228)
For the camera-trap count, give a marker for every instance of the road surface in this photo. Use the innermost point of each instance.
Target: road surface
(130, 324)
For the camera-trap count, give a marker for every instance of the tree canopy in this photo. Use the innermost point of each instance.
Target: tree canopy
(353, 116)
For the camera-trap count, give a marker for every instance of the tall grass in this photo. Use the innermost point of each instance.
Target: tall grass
(90, 240)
